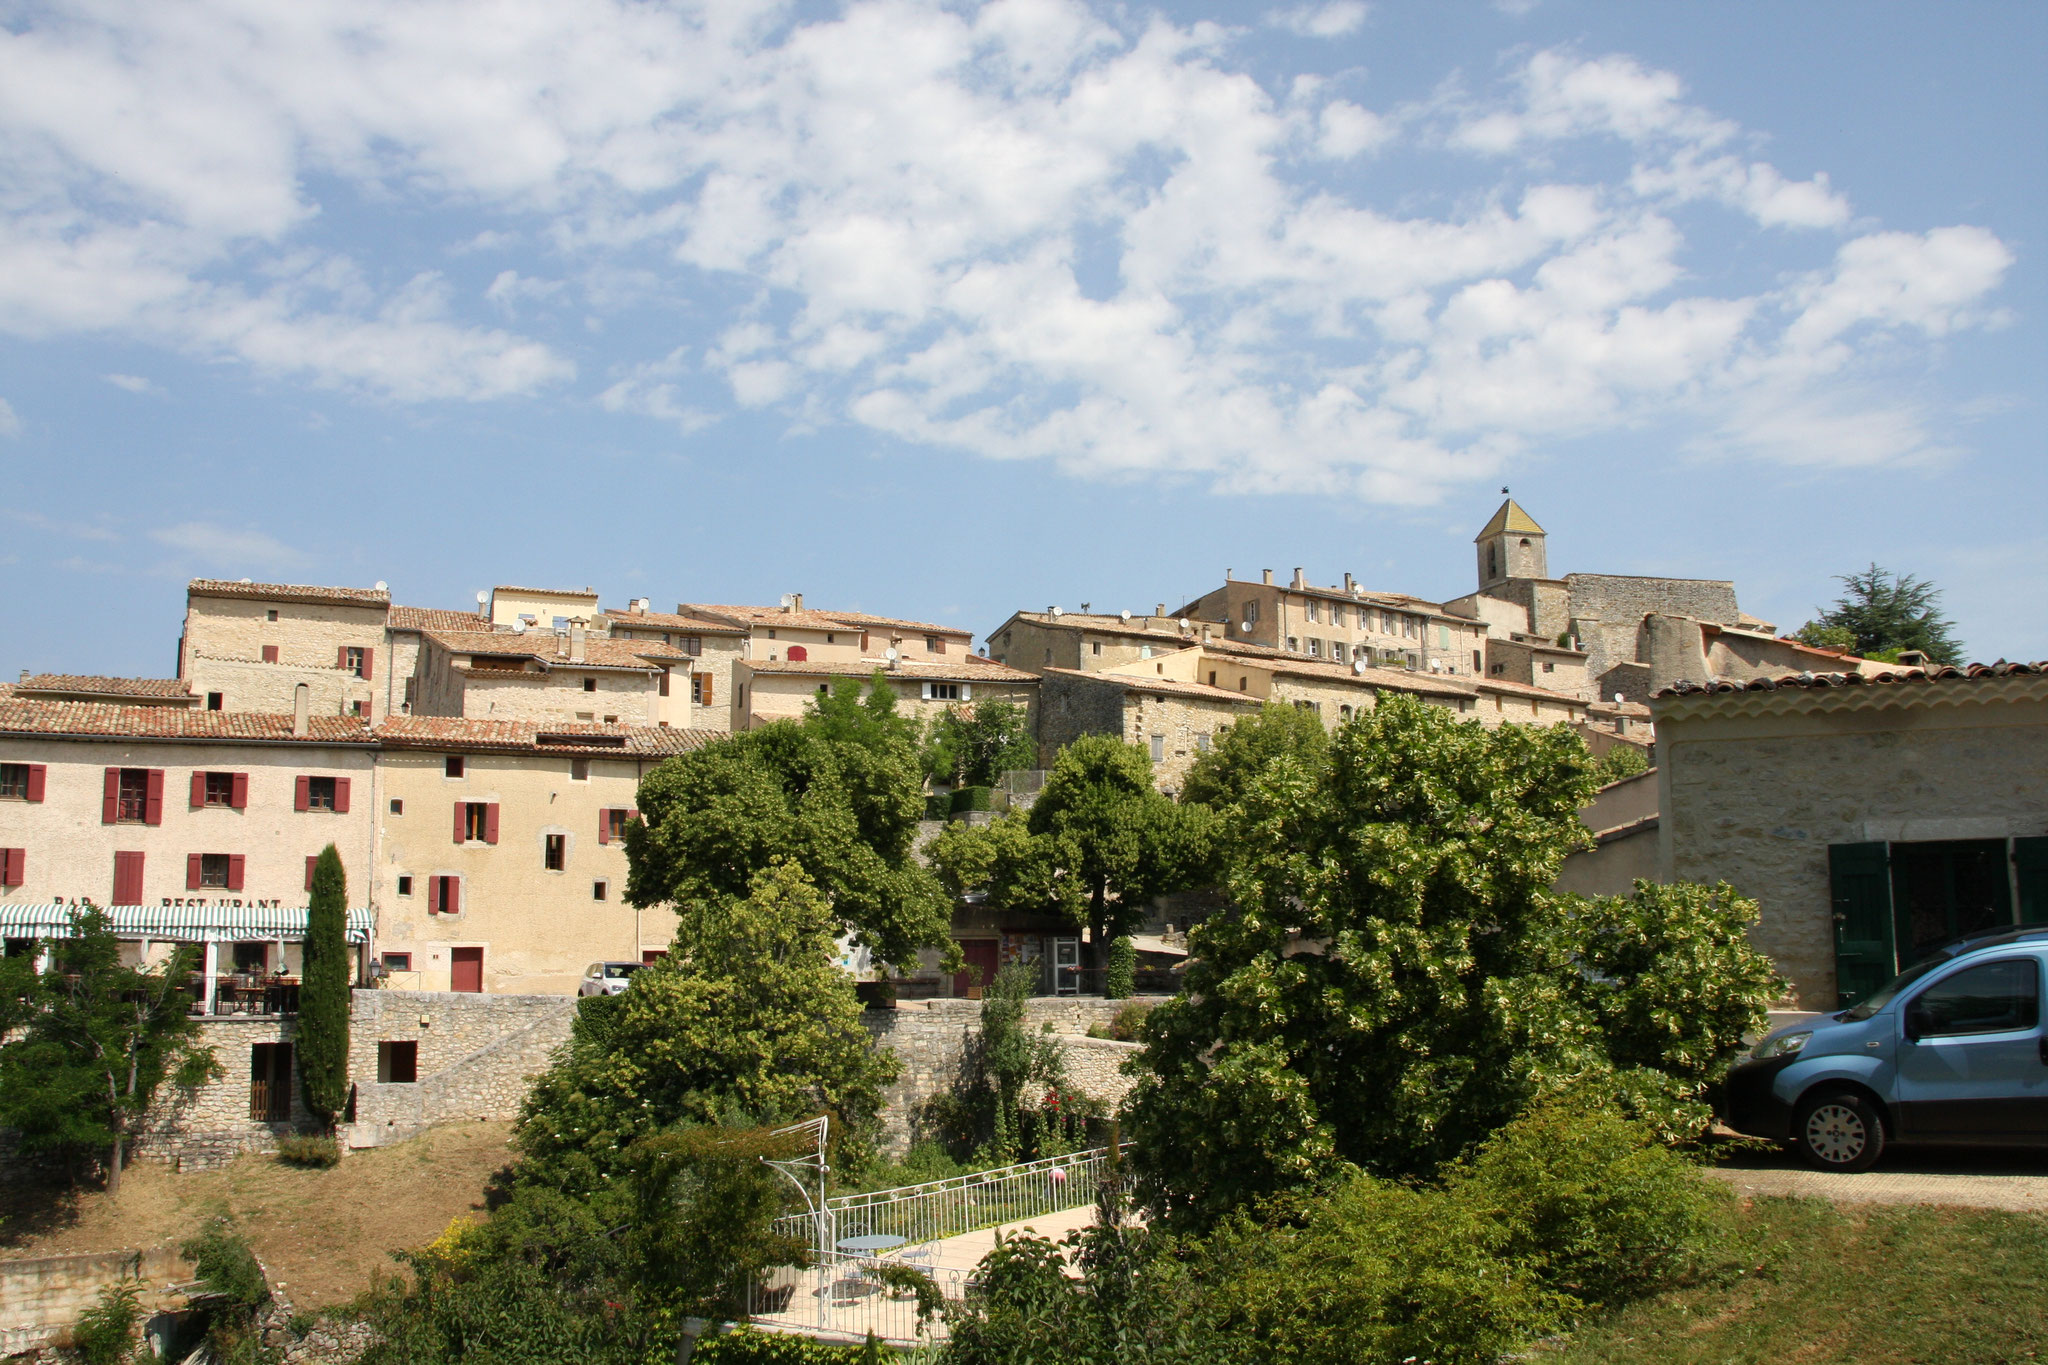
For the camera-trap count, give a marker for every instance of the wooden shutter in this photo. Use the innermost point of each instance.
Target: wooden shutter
(1860, 894)
(110, 804)
(604, 826)
(2030, 862)
(13, 866)
(38, 773)
(491, 823)
(369, 662)
(707, 689)
(341, 656)
(270, 654)
(194, 865)
(341, 796)
(312, 861)
(236, 863)
(662, 683)
(127, 879)
(153, 808)
(302, 793)
(461, 821)
(240, 797)
(451, 895)
(198, 790)
(433, 892)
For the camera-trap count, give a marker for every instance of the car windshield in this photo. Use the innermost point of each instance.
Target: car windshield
(1886, 993)
(618, 971)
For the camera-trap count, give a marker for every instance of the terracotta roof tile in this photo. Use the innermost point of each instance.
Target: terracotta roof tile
(288, 592)
(590, 593)
(865, 620)
(1520, 689)
(767, 616)
(973, 668)
(434, 618)
(23, 716)
(597, 741)
(1133, 682)
(175, 688)
(546, 647)
(665, 620)
(1938, 674)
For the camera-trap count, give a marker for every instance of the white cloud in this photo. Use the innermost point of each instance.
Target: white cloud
(135, 384)
(1345, 130)
(213, 544)
(650, 390)
(10, 425)
(1332, 20)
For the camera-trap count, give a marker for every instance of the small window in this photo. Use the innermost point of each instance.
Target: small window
(615, 823)
(1212, 677)
(1201, 744)
(599, 890)
(213, 869)
(476, 820)
(590, 684)
(1477, 662)
(611, 720)
(252, 957)
(1336, 613)
(1549, 667)
(319, 793)
(452, 765)
(404, 889)
(696, 689)
(1159, 748)
(1293, 644)
(1095, 647)
(1315, 649)
(1251, 610)
(398, 962)
(579, 770)
(1309, 609)
(692, 645)
(133, 795)
(398, 1063)
(1144, 651)
(352, 661)
(270, 615)
(556, 856)
(944, 691)
(1048, 653)
(215, 700)
(359, 708)
(220, 789)
(397, 806)
(14, 781)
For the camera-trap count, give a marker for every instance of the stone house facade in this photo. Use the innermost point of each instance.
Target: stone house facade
(1871, 817)
(249, 646)
(766, 691)
(544, 678)
(1342, 624)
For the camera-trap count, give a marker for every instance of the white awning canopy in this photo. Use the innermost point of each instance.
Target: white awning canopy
(181, 923)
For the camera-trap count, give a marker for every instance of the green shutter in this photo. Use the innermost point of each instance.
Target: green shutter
(1861, 894)
(2030, 863)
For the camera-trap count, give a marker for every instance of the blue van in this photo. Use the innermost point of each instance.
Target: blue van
(1951, 1051)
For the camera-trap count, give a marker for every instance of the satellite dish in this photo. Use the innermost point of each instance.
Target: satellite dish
(1246, 628)
(482, 597)
(1617, 699)
(890, 655)
(785, 601)
(519, 626)
(382, 586)
(1184, 623)
(1123, 616)
(248, 580)
(1057, 613)
(1358, 665)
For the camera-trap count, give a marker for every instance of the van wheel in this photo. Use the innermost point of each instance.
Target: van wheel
(1839, 1131)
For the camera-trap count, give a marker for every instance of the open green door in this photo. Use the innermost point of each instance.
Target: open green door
(2030, 864)
(1860, 883)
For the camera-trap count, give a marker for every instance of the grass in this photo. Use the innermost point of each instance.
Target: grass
(1858, 1285)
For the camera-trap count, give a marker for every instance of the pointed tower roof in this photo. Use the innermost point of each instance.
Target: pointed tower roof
(1510, 519)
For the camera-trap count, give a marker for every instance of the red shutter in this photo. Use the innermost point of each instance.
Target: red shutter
(193, 863)
(153, 811)
(433, 892)
(341, 656)
(235, 864)
(604, 827)
(240, 797)
(270, 654)
(127, 879)
(341, 796)
(198, 790)
(312, 860)
(369, 663)
(491, 823)
(461, 821)
(37, 772)
(632, 815)
(13, 866)
(451, 896)
(110, 805)
(302, 793)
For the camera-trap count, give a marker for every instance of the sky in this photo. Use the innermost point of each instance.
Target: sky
(947, 310)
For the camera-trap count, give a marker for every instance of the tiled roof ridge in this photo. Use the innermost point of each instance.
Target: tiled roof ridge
(598, 650)
(230, 587)
(428, 732)
(546, 592)
(863, 618)
(1685, 687)
(1137, 682)
(670, 620)
(970, 668)
(106, 683)
(436, 618)
(35, 715)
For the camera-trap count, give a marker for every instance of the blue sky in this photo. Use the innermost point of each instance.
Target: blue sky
(945, 310)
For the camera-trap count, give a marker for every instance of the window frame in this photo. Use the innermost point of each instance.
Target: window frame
(554, 852)
(313, 791)
(1913, 1006)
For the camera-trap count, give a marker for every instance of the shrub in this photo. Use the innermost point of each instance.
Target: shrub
(1120, 977)
(233, 1289)
(105, 1332)
(306, 1149)
(973, 799)
(1129, 1019)
(749, 1347)
(938, 805)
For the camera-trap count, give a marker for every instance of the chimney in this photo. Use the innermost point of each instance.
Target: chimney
(1159, 610)
(1299, 580)
(576, 636)
(1267, 574)
(1350, 584)
(1205, 632)
(302, 697)
(24, 675)
(796, 602)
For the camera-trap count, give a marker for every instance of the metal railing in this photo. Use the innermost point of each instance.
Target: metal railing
(961, 1203)
(842, 1299)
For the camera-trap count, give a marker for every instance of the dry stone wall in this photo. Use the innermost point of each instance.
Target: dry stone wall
(476, 1056)
(40, 1299)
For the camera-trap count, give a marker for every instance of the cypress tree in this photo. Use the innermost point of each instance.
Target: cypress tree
(324, 992)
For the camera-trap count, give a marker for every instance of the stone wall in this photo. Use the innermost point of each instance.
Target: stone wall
(41, 1299)
(225, 638)
(931, 1038)
(477, 1054)
(210, 1125)
(1607, 611)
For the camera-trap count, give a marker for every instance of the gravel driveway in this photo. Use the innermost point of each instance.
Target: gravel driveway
(2016, 1181)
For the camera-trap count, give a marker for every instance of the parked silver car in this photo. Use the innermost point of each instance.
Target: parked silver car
(607, 978)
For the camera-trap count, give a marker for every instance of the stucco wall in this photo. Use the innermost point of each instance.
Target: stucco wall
(1614, 865)
(558, 697)
(1621, 803)
(71, 853)
(1756, 786)
(538, 928)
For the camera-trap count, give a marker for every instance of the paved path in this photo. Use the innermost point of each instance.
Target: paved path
(965, 1251)
(2015, 1181)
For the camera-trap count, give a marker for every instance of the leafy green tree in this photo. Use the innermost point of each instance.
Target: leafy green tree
(99, 1041)
(1885, 613)
(748, 1019)
(1220, 776)
(839, 793)
(1120, 979)
(324, 992)
(1007, 1105)
(974, 746)
(1838, 638)
(1622, 760)
(1395, 980)
(1100, 843)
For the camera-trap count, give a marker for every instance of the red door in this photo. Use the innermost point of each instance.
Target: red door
(983, 957)
(467, 968)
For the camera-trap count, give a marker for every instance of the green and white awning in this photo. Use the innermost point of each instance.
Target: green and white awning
(180, 923)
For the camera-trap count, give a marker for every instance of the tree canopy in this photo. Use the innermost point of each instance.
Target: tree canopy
(1221, 776)
(1100, 843)
(96, 1042)
(839, 793)
(1881, 613)
(1395, 979)
(974, 746)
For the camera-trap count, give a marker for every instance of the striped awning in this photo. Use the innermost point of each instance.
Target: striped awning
(181, 923)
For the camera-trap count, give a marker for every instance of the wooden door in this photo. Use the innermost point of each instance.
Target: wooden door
(983, 957)
(467, 968)
(270, 1082)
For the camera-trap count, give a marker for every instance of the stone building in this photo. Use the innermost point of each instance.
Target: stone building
(500, 862)
(1871, 817)
(1085, 641)
(712, 644)
(764, 691)
(1342, 624)
(575, 677)
(249, 646)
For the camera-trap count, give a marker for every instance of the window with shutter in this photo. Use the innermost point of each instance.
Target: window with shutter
(13, 866)
(434, 895)
(302, 793)
(153, 809)
(491, 823)
(236, 864)
(198, 790)
(340, 795)
(37, 775)
(195, 871)
(312, 861)
(238, 792)
(128, 878)
(110, 801)
(270, 654)
(322, 793)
